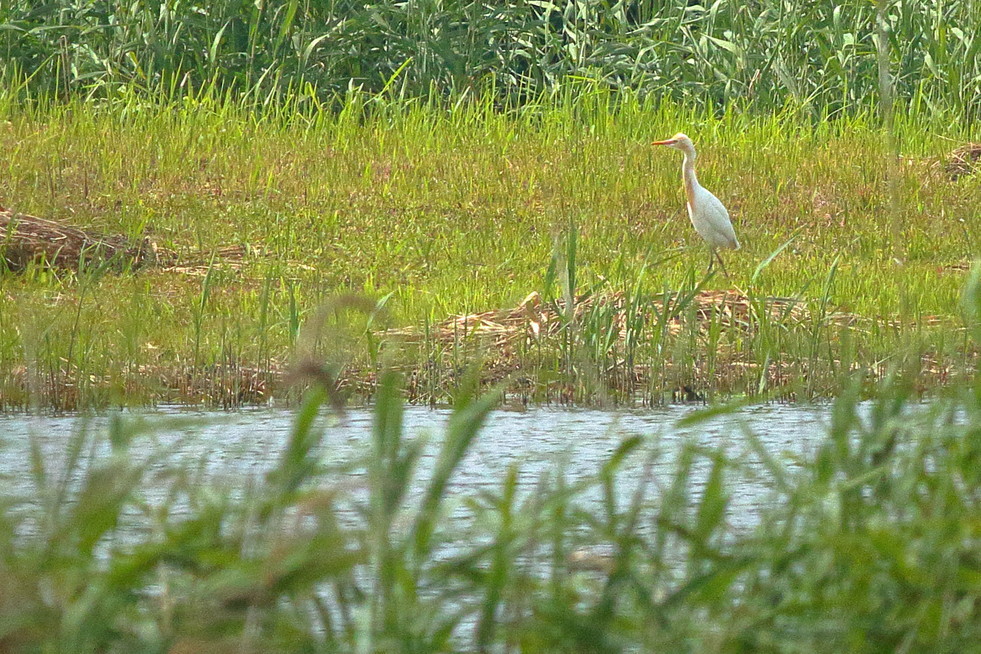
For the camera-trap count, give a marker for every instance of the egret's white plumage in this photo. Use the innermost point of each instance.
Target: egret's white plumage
(707, 213)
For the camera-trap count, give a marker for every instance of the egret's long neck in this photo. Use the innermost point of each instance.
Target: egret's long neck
(688, 174)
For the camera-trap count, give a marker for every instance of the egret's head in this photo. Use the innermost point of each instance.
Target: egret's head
(679, 142)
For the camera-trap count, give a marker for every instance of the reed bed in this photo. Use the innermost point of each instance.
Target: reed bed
(432, 212)
(820, 54)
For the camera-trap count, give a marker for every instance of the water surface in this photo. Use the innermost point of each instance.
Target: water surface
(239, 445)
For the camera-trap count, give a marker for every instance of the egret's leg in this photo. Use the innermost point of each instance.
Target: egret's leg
(711, 261)
(719, 257)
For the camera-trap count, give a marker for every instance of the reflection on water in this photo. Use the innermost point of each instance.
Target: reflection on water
(234, 446)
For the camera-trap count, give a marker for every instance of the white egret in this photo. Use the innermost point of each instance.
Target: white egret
(707, 213)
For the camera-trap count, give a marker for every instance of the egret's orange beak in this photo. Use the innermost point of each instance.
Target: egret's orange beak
(666, 142)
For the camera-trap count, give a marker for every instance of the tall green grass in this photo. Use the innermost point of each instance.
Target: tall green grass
(869, 542)
(762, 54)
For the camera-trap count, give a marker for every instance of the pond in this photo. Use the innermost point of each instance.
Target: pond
(235, 446)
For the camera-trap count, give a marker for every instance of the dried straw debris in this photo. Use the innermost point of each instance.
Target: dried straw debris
(965, 160)
(534, 317)
(28, 239)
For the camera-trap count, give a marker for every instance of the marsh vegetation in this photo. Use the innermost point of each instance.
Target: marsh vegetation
(434, 212)
(456, 202)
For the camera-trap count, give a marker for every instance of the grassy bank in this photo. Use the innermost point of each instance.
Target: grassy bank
(436, 212)
(868, 543)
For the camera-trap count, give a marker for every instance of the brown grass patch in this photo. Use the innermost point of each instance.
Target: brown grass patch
(533, 318)
(964, 160)
(28, 239)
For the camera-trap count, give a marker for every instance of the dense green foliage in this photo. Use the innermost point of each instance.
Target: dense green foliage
(868, 543)
(767, 53)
